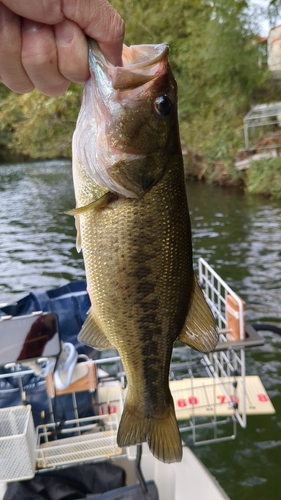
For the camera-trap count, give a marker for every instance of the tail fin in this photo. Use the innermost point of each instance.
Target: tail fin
(160, 431)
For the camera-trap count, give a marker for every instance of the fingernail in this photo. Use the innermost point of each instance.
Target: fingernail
(31, 26)
(64, 33)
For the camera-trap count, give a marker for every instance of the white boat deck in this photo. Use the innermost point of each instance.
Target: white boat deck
(187, 480)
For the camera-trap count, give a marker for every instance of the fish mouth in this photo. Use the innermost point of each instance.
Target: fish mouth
(110, 95)
(141, 64)
(143, 56)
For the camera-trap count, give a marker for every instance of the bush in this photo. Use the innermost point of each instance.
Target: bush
(264, 177)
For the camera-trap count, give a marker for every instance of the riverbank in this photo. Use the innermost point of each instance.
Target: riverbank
(221, 173)
(262, 177)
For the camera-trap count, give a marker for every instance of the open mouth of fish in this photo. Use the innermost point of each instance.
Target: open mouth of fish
(109, 96)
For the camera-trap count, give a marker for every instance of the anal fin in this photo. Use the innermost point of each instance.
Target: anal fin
(200, 330)
(90, 334)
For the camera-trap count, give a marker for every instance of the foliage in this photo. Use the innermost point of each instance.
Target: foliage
(213, 58)
(5, 130)
(264, 177)
(274, 9)
(215, 63)
(39, 126)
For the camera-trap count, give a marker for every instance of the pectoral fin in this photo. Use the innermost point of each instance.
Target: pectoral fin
(90, 334)
(199, 331)
(99, 204)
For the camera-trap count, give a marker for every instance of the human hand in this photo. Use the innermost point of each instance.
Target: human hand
(43, 43)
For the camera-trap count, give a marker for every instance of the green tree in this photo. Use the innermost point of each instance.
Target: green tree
(39, 126)
(273, 11)
(213, 58)
(5, 131)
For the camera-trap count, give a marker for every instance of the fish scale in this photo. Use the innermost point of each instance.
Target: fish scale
(137, 248)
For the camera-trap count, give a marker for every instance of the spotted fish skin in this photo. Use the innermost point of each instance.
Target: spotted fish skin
(135, 234)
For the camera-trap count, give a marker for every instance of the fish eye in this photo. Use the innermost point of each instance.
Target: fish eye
(163, 105)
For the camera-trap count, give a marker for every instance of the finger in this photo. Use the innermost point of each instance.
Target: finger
(72, 51)
(101, 22)
(12, 71)
(96, 17)
(44, 11)
(39, 58)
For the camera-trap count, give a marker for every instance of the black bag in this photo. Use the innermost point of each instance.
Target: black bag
(68, 484)
(133, 492)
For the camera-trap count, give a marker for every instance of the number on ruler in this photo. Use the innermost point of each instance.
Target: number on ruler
(263, 398)
(183, 403)
(108, 409)
(222, 398)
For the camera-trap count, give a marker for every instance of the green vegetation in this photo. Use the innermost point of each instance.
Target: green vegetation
(37, 126)
(214, 58)
(264, 177)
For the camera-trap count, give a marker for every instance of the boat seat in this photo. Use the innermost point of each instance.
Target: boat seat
(132, 492)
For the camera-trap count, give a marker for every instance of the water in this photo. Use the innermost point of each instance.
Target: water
(239, 235)
(37, 241)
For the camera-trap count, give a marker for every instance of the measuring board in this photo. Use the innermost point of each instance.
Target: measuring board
(201, 397)
(204, 397)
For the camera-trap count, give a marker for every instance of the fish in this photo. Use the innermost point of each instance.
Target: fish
(133, 227)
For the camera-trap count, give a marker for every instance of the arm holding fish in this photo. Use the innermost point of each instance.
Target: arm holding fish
(43, 43)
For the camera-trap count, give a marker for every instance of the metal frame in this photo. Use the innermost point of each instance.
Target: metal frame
(82, 440)
(262, 115)
(228, 363)
(218, 375)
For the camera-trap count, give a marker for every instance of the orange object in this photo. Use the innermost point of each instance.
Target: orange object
(86, 383)
(233, 318)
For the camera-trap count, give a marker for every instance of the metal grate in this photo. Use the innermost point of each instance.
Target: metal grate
(92, 438)
(17, 444)
(262, 119)
(216, 292)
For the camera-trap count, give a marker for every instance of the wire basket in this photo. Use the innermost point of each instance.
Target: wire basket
(81, 440)
(17, 444)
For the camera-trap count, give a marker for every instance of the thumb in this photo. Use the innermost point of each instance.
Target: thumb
(99, 20)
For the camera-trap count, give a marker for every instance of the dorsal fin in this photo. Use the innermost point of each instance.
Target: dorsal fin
(199, 331)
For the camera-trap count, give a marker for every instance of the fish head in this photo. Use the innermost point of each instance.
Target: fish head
(128, 124)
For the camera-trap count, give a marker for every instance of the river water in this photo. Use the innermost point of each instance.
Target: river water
(238, 234)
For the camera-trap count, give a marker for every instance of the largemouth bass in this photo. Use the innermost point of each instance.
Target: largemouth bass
(133, 225)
